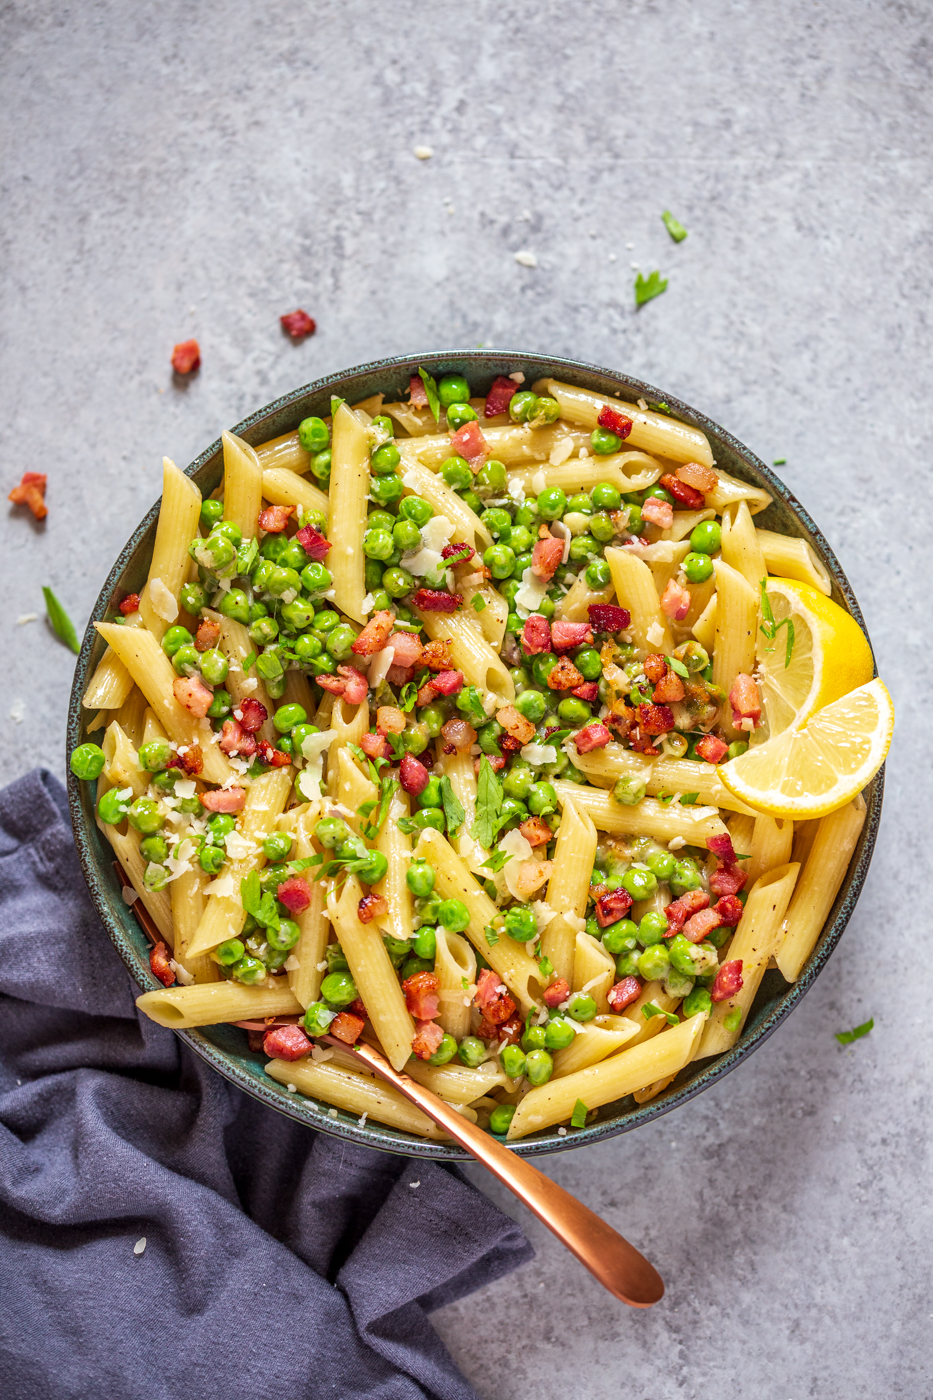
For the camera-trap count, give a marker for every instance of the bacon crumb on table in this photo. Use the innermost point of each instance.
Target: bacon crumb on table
(298, 324)
(186, 357)
(31, 492)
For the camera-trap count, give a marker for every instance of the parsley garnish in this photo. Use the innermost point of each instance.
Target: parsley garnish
(771, 628)
(464, 983)
(545, 966)
(249, 661)
(557, 738)
(470, 702)
(247, 555)
(453, 812)
(62, 625)
(492, 935)
(578, 1117)
(488, 805)
(496, 861)
(408, 696)
(675, 229)
(847, 1037)
(650, 1010)
(478, 603)
(335, 404)
(430, 388)
(647, 288)
(733, 1020)
(388, 788)
(258, 902)
(660, 408)
(665, 797)
(677, 667)
(372, 765)
(779, 462)
(689, 799)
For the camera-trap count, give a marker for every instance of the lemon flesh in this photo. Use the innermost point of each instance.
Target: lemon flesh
(830, 657)
(811, 770)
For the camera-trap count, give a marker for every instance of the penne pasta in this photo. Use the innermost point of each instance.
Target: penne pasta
(373, 973)
(395, 845)
(729, 491)
(649, 818)
(629, 471)
(471, 653)
(181, 1008)
(458, 767)
(511, 444)
(741, 548)
(569, 887)
(122, 768)
(110, 684)
(634, 586)
(652, 432)
(283, 452)
(354, 1093)
(304, 974)
(349, 486)
(458, 1083)
(595, 1041)
(157, 902)
(736, 627)
(787, 557)
(178, 523)
(575, 605)
(455, 968)
(679, 777)
(832, 846)
(284, 487)
(771, 844)
(419, 481)
(594, 970)
(186, 892)
(243, 484)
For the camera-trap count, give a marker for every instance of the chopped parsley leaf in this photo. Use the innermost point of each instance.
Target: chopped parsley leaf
(453, 812)
(689, 799)
(674, 228)
(492, 935)
(430, 388)
(647, 288)
(847, 1037)
(650, 1010)
(62, 625)
(578, 1117)
(478, 603)
(488, 805)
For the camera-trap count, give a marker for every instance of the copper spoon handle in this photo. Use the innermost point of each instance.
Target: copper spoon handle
(615, 1263)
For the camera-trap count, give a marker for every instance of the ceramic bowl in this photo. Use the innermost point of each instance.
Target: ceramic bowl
(225, 1047)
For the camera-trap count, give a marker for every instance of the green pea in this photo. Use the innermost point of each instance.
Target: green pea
(193, 597)
(268, 666)
(331, 831)
(235, 604)
(661, 863)
(472, 1051)
(636, 523)
(293, 556)
(317, 1018)
(211, 859)
(620, 937)
(499, 523)
(517, 782)
(229, 952)
(313, 434)
(539, 1067)
(706, 537)
(385, 459)
(541, 667)
(651, 928)
(398, 582)
(340, 641)
(321, 465)
(453, 915)
(156, 877)
(375, 868)
(459, 414)
(444, 1052)
(640, 884)
(273, 547)
(499, 560)
(604, 442)
(521, 540)
(415, 739)
(283, 938)
(176, 638)
(493, 478)
(263, 631)
(144, 815)
(737, 748)
(500, 1118)
(627, 963)
(697, 1000)
(573, 711)
(545, 412)
(470, 498)
(298, 615)
(512, 812)
(87, 761)
(214, 666)
(584, 547)
(336, 958)
(685, 877)
(533, 1038)
(522, 562)
(433, 718)
(697, 567)
(582, 1007)
(588, 664)
(166, 780)
(456, 472)
(512, 1060)
(217, 552)
(551, 503)
(680, 952)
(277, 845)
(378, 544)
(299, 734)
(521, 924)
(559, 1033)
(425, 943)
(261, 576)
(606, 496)
(452, 388)
(326, 620)
(601, 527)
(249, 970)
(654, 962)
(580, 504)
(383, 424)
(307, 648)
(417, 510)
(283, 580)
(211, 512)
(287, 716)
(542, 800)
(315, 578)
(531, 704)
(521, 405)
(386, 489)
(339, 989)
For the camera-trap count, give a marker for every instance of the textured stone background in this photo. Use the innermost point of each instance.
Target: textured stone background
(170, 170)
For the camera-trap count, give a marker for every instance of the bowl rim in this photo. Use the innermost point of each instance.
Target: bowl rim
(97, 869)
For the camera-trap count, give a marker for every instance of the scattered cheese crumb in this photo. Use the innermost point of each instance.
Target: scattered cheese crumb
(18, 711)
(655, 634)
(525, 258)
(676, 844)
(518, 377)
(424, 152)
(561, 450)
(163, 600)
(292, 964)
(642, 405)
(561, 1132)
(139, 1246)
(27, 617)
(332, 1113)
(361, 1121)
(182, 974)
(292, 1088)
(413, 1184)
(129, 895)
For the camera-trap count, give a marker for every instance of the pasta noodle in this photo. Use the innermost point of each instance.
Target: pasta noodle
(243, 483)
(650, 817)
(633, 582)
(653, 432)
(790, 558)
(454, 965)
(816, 892)
(569, 887)
(373, 973)
(349, 485)
(178, 522)
(677, 776)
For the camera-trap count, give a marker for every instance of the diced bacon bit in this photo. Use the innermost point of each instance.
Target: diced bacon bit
(655, 719)
(621, 721)
(536, 635)
(31, 492)
(727, 880)
(588, 691)
(193, 694)
(231, 799)
(729, 910)
(374, 746)
(427, 1038)
(349, 682)
(235, 739)
(565, 635)
(208, 634)
(460, 733)
(606, 617)
(417, 394)
(515, 724)
(192, 760)
(447, 682)
(564, 676)
(669, 689)
(286, 1043)
(372, 906)
(313, 543)
(253, 714)
(700, 478)
(496, 763)
(700, 925)
(457, 553)
(436, 600)
(468, 442)
(612, 907)
(186, 357)
(722, 847)
(641, 743)
(500, 396)
(536, 831)
(532, 874)
(407, 648)
(375, 634)
(274, 518)
(594, 736)
(493, 998)
(389, 720)
(297, 324)
(436, 656)
(660, 513)
(358, 1009)
(655, 668)
(159, 961)
(509, 744)
(507, 1032)
(683, 908)
(675, 601)
(295, 894)
(546, 556)
(130, 604)
(421, 995)
(623, 993)
(728, 981)
(346, 1027)
(745, 699)
(399, 675)
(683, 494)
(616, 422)
(273, 756)
(426, 694)
(711, 749)
(556, 993)
(412, 775)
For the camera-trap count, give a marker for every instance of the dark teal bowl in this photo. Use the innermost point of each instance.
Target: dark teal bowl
(225, 1047)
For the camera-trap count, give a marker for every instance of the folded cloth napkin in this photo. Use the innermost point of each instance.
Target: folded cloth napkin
(164, 1235)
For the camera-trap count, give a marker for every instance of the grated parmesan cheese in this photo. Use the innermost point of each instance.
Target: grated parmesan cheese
(655, 634)
(164, 602)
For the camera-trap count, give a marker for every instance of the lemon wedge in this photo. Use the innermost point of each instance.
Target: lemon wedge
(830, 656)
(811, 770)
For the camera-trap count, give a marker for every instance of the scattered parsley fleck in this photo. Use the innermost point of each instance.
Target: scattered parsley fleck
(496, 861)
(578, 1117)
(674, 228)
(479, 603)
(770, 628)
(464, 983)
(689, 799)
(650, 1010)
(335, 404)
(492, 936)
(430, 388)
(62, 625)
(249, 661)
(665, 797)
(453, 812)
(677, 667)
(847, 1037)
(780, 462)
(647, 288)
(488, 805)
(545, 966)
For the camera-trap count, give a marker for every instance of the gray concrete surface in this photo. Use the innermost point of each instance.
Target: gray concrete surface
(171, 170)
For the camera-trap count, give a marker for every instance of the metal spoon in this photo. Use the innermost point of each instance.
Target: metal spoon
(615, 1263)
